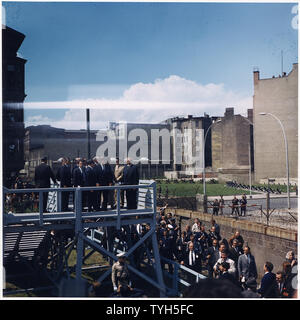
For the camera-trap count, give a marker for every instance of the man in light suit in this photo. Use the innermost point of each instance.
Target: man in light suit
(246, 266)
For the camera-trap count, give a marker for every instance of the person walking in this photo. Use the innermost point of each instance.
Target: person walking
(246, 266)
(268, 285)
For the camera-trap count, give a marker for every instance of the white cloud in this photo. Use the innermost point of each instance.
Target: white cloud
(149, 102)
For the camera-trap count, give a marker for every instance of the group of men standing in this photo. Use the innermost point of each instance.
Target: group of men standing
(94, 172)
(238, 206)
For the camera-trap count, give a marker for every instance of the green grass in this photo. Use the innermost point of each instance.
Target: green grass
(186, 189)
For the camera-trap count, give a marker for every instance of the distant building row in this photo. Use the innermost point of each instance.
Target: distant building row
(235, 146)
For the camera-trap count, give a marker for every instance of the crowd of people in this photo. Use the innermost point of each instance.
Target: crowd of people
(197, 247)
(228, 264)
(205, 251)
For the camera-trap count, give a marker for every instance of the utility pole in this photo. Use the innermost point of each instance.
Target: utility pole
(88, 133)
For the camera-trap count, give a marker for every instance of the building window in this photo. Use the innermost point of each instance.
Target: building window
(12, 148)
(10, 67)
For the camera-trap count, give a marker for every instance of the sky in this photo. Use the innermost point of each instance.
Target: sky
(146, 62)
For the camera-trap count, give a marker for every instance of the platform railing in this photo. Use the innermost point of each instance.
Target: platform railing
(41, 217)
(177, 279)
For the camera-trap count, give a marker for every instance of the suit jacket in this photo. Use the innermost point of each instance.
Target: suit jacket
(230, 277)
(245, 268)
(166, 247)
(182, 243)
(64, 176)
(104, 175)
(234, 254)
(131, 175)
(91, 177)
(42, 176)
(197, 264)
(79, 177)
(119, 173)
(211, 236)
(108, 174)
(214, 256)
(268, 286)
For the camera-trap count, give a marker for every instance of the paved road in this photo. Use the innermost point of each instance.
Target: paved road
(276, 201)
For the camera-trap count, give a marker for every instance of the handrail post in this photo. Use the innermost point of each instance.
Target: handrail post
(175, 278)
(153, 185)
(78, 234)
(58, 201)
(118, 210)
(41, 205)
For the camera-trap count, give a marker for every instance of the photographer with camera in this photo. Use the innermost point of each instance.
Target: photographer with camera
(224, 258)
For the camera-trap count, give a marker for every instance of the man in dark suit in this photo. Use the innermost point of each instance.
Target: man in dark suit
(212, 256)
(235, 251)
(109, 177)
(99, 173)
(282, 286)
(79, 179)
(212, 235)
(91, 180)
(79, 175)
(43, 174)
(268, 285)
(193, 259)
(181, 246)
(131, 177)
(105, 177)
(65, 177)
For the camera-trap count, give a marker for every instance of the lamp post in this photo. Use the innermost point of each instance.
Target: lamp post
(286, 154)
(250, 162)
(203, 153)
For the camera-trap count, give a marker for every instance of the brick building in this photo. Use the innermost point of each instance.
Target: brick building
(279, 97)
(188, 134)
(232, 146)
(55, 143)
(13, 96)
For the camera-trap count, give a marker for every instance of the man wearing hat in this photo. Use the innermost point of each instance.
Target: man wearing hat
(120, 279)
(120, 274)
(42, 175)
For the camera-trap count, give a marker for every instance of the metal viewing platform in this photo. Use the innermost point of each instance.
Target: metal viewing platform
(26, 235)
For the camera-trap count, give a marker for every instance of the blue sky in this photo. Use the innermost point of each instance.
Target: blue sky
(125, 53)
